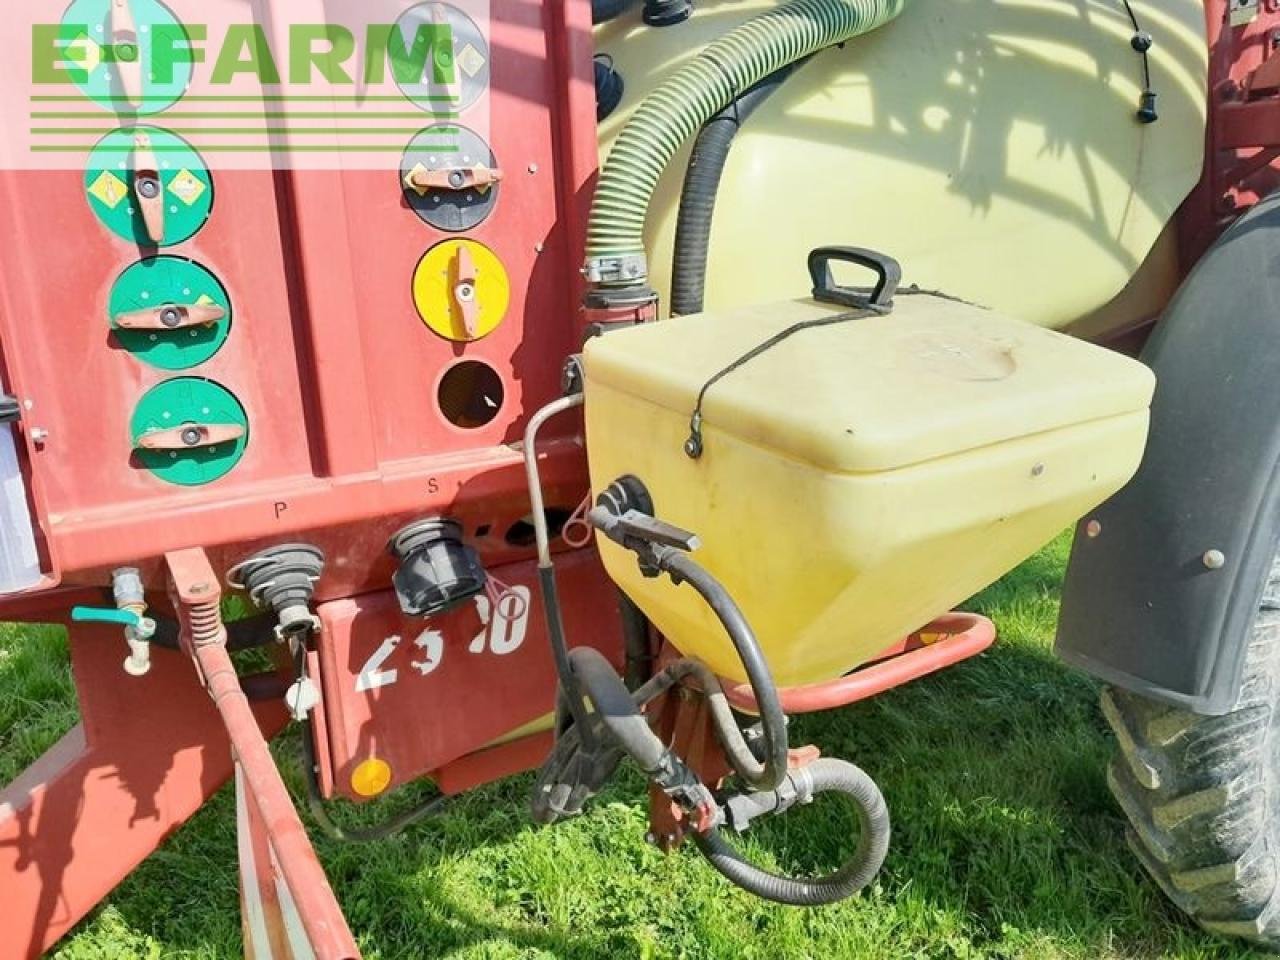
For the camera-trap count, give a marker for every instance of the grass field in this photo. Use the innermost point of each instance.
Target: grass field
(1006, 841)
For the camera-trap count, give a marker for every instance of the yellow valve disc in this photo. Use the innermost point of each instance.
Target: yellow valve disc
(461, 290)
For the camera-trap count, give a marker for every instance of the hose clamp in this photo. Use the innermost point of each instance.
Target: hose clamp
(631, 268)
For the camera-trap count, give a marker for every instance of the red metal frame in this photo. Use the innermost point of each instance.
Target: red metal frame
(1242, 143)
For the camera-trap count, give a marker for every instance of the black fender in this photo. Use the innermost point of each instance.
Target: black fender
(1166, 578)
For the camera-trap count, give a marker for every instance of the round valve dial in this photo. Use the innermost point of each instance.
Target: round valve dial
(170, 313)
(189, 431)
(455, 70)
(461, 290)
(125, 55)
(450, 177)
(148, 186)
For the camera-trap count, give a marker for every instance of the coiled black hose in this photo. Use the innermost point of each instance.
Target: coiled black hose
(698, 196)
(826, 776)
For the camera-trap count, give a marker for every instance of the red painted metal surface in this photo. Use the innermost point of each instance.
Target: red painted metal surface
(147, 754)
(421, 693)
(328, 355)
(1242, 146)
(947, 641)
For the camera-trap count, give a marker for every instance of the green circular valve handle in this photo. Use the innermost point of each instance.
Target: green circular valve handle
(189, 431)
(170, 312)
(148, 186)
(132, 57)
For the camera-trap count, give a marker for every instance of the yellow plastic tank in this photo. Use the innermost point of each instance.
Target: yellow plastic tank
(859, 478)
(990, 145)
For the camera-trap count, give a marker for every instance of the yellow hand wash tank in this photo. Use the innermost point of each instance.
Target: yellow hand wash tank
(860, 476)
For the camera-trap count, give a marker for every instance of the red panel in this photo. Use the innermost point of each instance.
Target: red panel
(78, 821)
(328, 354)
(477, 678)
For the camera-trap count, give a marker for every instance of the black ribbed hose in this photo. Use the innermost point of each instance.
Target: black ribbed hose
(698, 197)
(827, 776)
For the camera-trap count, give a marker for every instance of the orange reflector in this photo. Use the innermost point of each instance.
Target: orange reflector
(371, 777)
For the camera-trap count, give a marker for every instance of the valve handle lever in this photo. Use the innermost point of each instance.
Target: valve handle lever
(464, 290)
(127, 54)
(147, 188)
(171, 316)
(124, 618)
(191, 436)
(477, 177)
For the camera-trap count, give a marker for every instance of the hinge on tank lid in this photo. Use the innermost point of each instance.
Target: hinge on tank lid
(10, 409)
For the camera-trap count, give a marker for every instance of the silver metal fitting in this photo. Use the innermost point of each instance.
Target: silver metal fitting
(628, 269)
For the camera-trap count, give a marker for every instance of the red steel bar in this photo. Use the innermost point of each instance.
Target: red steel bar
(964, 636)
(197, 598)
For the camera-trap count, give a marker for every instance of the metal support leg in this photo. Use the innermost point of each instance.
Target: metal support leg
(290, 911)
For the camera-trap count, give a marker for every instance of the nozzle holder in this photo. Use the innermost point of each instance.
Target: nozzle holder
(437, 571)
(282, 579)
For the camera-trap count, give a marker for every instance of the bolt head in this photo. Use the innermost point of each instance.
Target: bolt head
(1093, 529)
(1214, 559)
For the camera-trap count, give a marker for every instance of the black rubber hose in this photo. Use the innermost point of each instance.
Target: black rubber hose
(382, 831)
(698, 196)
(772, 719)
(605, 10)
(636, 642)
(614, 708)
(827, 776)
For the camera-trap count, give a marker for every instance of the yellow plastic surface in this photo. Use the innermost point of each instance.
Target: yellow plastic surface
(989, 145)
(433, 290)
(861, 478)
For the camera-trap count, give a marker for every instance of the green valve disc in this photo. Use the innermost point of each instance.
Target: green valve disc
(186, 186)
(192, 403)
(98, 50)
(453, 54)
(168, 282)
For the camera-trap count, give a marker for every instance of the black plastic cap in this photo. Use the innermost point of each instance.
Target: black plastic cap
(437, 570)
(1147, 108)
(666, 13)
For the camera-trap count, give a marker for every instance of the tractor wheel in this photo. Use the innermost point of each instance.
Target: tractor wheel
(1202, 794)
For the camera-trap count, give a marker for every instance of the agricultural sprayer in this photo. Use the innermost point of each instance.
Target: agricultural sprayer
(325, 334)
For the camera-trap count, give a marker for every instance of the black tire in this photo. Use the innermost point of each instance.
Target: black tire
(1202, 794)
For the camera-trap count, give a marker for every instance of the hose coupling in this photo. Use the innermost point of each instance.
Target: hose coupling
(741, 809)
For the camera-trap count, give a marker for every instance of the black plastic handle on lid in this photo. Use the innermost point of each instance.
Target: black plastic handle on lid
(10, 411)
(826, 290)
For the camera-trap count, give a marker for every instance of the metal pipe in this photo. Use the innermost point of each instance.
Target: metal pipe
(539, 516)
(322, 919)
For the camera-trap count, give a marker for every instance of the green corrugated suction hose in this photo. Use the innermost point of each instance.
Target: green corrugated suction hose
(692, 96)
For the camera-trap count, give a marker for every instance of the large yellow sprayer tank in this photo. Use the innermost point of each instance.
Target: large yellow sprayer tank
(991, 146)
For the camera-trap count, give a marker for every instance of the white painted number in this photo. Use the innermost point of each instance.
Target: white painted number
(502, 633)
(372, 676)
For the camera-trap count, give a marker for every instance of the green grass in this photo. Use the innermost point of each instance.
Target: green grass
(1006, 841)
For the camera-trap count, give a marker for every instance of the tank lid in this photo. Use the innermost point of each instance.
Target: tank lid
(936, 377)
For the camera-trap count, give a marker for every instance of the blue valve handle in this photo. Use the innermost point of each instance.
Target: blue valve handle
(125, 618)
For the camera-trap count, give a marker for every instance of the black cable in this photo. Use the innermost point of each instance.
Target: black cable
(1142, 42)
(315, 796)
